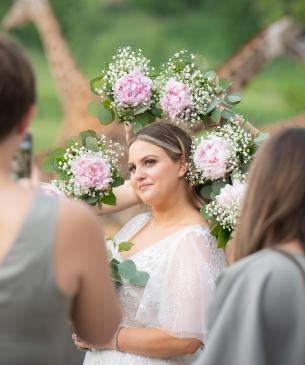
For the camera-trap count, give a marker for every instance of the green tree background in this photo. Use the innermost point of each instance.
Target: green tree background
(94, 29)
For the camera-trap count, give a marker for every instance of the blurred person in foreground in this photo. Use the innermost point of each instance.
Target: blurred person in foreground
(257, 316)
(53, 267)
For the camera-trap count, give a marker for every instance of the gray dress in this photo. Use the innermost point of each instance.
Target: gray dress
(34, 328)
(257, 316)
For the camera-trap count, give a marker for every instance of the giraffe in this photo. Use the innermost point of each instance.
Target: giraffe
(72, 86)
(283, 37)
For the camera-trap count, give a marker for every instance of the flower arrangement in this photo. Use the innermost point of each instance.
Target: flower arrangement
(221, 152)
(127, 90)
(219, 162)
(124, 270)
(190, 96)
(87, 169)
(132, 91)
(223, 212)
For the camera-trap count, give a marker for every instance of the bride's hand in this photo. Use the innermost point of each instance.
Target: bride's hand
(129, 133)
(82, 345)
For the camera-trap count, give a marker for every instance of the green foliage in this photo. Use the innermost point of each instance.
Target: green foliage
(125, 246)
(271, 10)
(128, 271)
(109, 199)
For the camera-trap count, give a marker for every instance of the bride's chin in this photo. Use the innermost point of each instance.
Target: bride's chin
(147, 199)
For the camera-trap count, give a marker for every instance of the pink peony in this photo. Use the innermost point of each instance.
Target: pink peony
(91, 172)
(176, 98)
(52, 190)
(211, 156)
(231, 194)
(133, 89)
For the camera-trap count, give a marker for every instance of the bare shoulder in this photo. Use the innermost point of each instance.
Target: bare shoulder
(78, 221)
(194, 217)
(72, 212)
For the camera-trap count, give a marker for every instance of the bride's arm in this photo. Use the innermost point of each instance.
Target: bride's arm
(125, 195)
(126, 198)
(247, 126)
(150, 342)
(153, 342)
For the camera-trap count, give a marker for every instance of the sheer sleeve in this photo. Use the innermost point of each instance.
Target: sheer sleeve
(176, 296)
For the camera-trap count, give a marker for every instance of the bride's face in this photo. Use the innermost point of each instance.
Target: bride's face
(154, 176)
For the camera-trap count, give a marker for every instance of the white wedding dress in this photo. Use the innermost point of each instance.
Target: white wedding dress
(183, 268)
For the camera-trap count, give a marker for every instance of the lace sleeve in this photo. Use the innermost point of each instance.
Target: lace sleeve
(176, 297)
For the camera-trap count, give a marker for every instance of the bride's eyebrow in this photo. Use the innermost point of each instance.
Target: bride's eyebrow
(148, 156)
(143, 159)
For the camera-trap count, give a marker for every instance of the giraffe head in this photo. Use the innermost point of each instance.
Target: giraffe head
(21, 12)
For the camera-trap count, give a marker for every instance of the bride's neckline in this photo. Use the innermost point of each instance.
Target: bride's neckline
(148, 217)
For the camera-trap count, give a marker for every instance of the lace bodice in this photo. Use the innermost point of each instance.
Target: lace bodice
(183, 268)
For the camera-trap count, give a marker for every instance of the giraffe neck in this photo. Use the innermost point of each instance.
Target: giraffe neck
(70, 82)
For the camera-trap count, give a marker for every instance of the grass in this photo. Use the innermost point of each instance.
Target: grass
(276, 94)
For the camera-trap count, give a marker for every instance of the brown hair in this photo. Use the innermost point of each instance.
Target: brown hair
(176, 143)
(274, 207)
(17, 87)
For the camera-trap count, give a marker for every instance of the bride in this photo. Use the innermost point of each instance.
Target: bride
(164, 322)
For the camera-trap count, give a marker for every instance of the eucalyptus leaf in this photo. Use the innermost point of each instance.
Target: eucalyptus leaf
(227, 114)
(109, 199)
(139, 279)
(92, 200)
(127, 269)
(216, 115)
(92, 144)
(49, 164)
(93, 108)
(85, 134)
(141, 110)
(96, 85)
(117, 181)
(157, 112)
(140, 121)
(206, 191)
(125, 246)
(234, 98)
(71, 141)
(106, 115)
(213, 195)
(106, 103)
(217, 185)
(213, 104)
